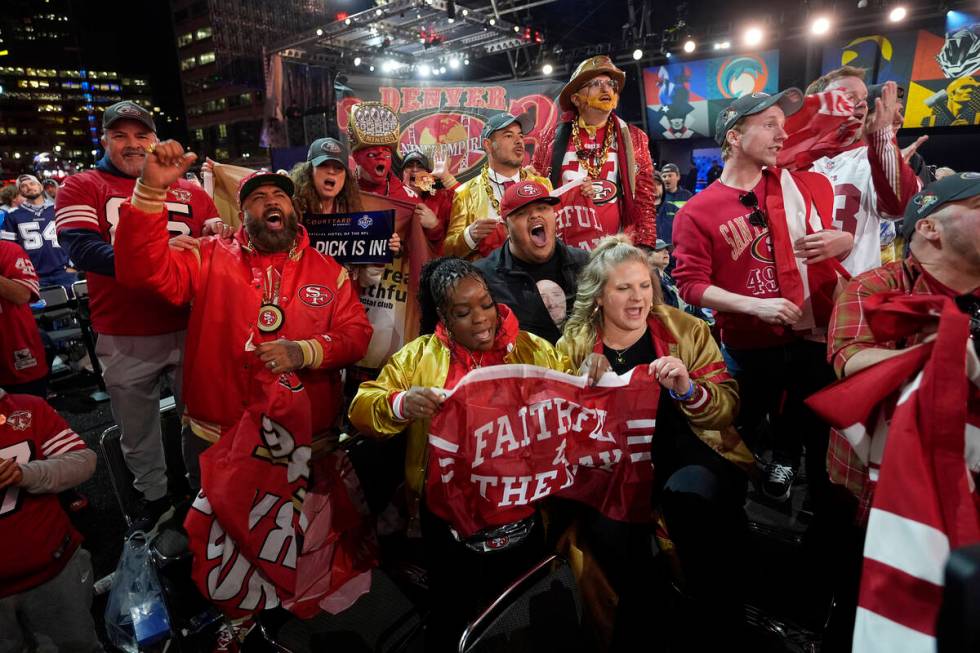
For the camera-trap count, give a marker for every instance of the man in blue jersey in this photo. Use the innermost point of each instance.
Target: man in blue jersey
(31, 225)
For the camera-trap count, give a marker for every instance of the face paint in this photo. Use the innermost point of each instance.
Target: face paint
(373, 163)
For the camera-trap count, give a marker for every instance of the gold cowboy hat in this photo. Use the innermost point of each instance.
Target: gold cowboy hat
(601, 65)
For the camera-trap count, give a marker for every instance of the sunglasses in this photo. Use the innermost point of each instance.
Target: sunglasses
(757, 218)
(611, 84)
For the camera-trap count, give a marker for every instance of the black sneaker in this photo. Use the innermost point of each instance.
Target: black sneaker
(149, 513)
(778, 481)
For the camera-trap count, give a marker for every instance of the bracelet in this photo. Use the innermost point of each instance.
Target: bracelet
(684, 397)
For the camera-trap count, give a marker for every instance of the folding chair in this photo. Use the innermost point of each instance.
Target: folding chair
(540, 611)
(80, 289)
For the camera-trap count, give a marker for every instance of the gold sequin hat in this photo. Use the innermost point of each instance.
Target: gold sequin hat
(588, 69)
(370, 124)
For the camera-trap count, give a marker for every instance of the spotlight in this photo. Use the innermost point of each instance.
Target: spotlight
(450, 20)
(466, 12)
(466, 61)
(319, 32)
(57, 148)
(357, 61)
(442, 70)
(517, 28)
(348, 21)
(451, 10)
(547, 69)
(637, 54)
(424, 70)
(378, 12)
(753, 36)
(371, 69)
(668, 55)
(493, 22)
(689, 46)
(454, 64)
(897, 14)
(722, 45)
(862, 4)
(820, 26)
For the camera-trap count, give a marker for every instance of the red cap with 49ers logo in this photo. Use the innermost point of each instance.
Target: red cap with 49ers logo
(523, 193)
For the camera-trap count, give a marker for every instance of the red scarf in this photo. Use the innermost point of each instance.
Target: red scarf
(821, 127)
(798, 204)
(462, 360)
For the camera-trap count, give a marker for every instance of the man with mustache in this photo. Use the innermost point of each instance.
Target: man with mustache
(141, 336)
(607, 159)
(476, 226)
(263, 298)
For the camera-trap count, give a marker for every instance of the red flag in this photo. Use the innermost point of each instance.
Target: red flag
(250, 528)
(820, 128)
(925, 503)
(510, 435)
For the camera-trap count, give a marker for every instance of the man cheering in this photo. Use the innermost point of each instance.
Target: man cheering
(603, 163)
(756, 246)
(264, 297)
(475, 225)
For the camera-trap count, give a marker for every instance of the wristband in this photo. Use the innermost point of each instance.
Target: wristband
(148, 199)
(684, 397)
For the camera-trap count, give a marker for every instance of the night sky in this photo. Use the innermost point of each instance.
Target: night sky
(135, 38)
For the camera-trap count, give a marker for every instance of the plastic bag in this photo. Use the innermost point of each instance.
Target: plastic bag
(136, 615)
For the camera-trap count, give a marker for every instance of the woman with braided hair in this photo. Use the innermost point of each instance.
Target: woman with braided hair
(464, 328)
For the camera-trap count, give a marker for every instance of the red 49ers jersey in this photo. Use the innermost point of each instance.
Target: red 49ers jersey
(21, 352)
(38, 540)
(583, 222)
(91, 201)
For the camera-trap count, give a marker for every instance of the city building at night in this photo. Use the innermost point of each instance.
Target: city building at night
(219, 49)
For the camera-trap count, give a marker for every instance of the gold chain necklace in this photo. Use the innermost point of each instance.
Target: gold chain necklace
(592, 161)
(485, 176)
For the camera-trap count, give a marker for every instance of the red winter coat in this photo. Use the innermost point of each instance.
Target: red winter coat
(222, 280)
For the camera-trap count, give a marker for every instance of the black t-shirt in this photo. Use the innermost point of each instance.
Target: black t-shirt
(550, 269)
(640, 352)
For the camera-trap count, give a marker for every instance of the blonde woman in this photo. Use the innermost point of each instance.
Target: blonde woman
(618, 322)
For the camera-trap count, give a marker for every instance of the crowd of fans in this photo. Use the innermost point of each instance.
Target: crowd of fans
(742, 301)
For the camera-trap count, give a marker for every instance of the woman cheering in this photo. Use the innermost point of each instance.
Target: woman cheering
(619, 322)
(467, 329)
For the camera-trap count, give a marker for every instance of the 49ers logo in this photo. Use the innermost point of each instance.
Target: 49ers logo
(603, 191)
(315, 295)
(528, 190)
(19, 420)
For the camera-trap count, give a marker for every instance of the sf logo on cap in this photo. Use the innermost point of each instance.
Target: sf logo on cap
(129, 110)
(528, 190)
(330, 148)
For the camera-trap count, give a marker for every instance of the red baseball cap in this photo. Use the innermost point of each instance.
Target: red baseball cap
(261, 178)
(523, 193)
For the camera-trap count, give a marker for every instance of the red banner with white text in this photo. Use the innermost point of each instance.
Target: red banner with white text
(508, 436)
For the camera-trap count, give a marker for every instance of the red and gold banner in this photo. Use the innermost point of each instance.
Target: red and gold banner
(450, 116)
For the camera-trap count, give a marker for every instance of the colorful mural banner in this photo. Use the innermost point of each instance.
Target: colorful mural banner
(450, 116)
(683, 99)
(938, 67)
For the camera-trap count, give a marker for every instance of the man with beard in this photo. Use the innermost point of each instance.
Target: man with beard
(756, 247)
(265, 297)
(141, 336)
(476, 227)
(872, 181)
(605, 161)
(32, 226)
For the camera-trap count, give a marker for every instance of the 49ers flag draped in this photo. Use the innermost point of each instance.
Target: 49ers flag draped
(510, 435)
(925, 503)
(264, 530)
